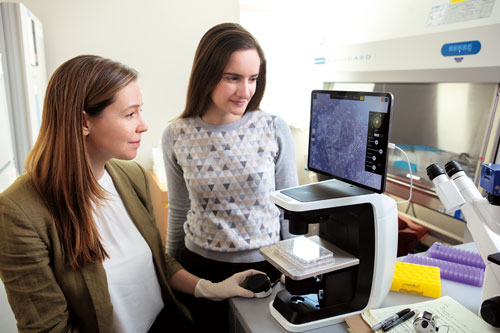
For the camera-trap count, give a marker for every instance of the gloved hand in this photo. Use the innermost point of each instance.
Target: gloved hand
(228, 288)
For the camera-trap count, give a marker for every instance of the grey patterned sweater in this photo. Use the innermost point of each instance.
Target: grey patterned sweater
(219, 179)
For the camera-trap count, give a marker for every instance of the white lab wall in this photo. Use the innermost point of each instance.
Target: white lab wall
(7, 167)
(8, 174)
(158, 38)
(284, 36)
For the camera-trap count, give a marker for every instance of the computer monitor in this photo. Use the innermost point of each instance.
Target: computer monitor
(349, 135)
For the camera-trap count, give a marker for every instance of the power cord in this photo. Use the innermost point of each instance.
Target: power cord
(392, 146)
(447, 328)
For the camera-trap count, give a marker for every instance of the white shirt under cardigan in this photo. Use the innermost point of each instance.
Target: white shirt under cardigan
(132, 282)
(219, 179)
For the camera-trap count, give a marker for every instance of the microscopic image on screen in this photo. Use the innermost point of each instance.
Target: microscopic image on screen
(349, 136)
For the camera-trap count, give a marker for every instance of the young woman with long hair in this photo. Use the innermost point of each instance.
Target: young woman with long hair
(223, 157)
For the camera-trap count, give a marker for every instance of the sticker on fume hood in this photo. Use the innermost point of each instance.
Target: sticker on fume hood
(459, 11)
(461, 48)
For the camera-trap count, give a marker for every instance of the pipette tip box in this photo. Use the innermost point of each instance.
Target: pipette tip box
(417, 280)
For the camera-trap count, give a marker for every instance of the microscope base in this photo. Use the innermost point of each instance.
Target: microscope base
(298, 313)
(310, 325)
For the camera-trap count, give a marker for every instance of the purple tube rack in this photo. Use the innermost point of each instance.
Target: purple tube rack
(450, 270)
(453, 254)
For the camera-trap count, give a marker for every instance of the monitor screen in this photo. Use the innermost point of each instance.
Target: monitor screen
(348, 137)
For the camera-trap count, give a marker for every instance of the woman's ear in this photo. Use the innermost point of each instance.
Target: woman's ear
(85, 127)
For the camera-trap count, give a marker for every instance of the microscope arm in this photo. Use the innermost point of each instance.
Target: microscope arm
(482, 222)
(480, 215)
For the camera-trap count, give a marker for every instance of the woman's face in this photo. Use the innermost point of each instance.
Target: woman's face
(116, 132)
(236, 88)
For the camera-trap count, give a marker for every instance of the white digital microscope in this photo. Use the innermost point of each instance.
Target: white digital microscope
(346, 269)
(457, 191)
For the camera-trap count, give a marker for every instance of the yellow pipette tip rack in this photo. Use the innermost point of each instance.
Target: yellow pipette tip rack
(417, 280)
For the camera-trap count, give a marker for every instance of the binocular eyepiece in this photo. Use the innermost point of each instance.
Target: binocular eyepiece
(452, 168)
(452, 185)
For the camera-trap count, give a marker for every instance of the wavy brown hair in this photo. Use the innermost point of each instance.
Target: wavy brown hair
(58, 166)
(210, 60)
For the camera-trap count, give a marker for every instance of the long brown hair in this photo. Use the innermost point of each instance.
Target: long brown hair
(210, 60)
(58, 166)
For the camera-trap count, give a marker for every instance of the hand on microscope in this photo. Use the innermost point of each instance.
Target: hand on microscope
(282, 279)
(250, 283)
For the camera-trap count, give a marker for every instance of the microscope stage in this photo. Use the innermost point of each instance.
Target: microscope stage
(297, 271)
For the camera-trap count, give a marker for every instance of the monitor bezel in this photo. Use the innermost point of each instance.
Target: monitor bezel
(354, 94)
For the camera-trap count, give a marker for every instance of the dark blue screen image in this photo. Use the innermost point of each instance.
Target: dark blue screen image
(349, 134)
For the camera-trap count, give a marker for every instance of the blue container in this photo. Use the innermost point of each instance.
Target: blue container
(490, 178)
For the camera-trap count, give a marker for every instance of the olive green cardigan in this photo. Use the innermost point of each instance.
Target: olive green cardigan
(44, 293)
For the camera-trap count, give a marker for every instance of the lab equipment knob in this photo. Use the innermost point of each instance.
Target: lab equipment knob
(490, 311)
